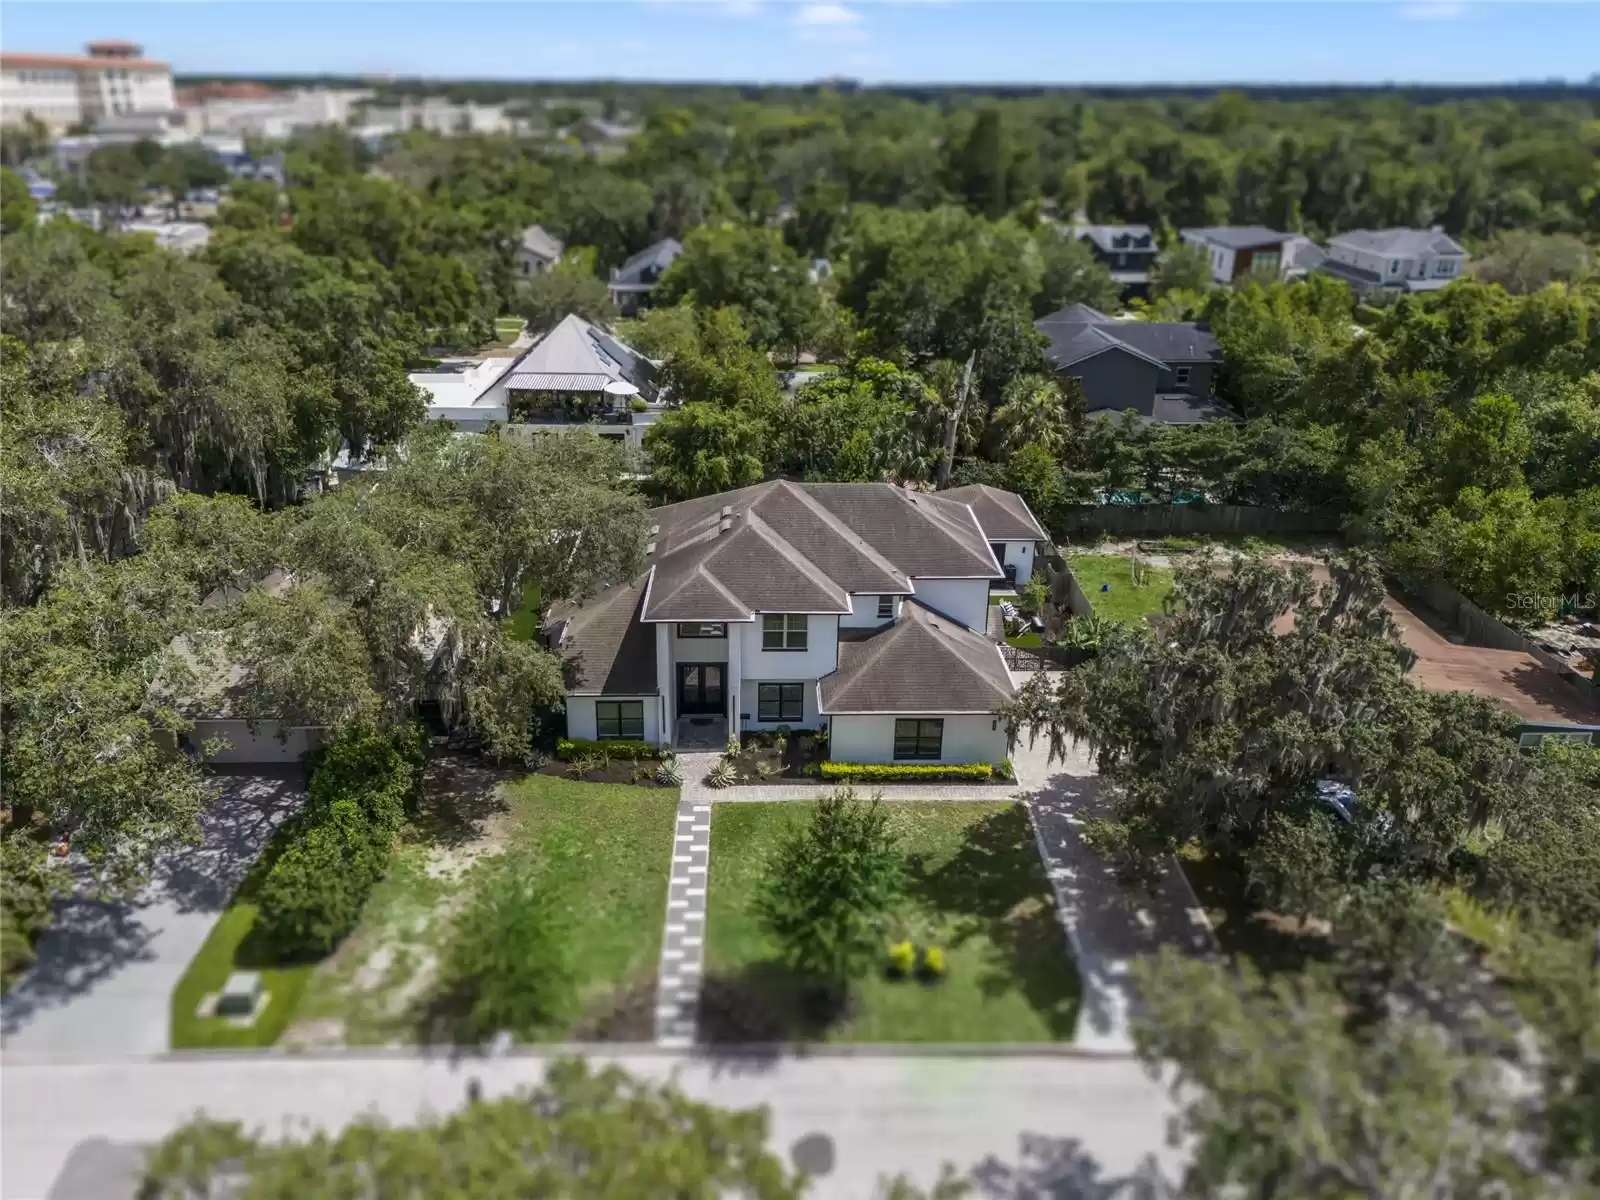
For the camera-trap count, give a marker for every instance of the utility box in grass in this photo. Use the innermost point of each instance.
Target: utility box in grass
(241, 995)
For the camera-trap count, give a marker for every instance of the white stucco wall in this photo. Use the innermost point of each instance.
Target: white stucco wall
(870, 739)
(864, 613)
(698, 650)
(581, 722)
(819, 658)
(965, 600)
(1020, 555)
(262, 746)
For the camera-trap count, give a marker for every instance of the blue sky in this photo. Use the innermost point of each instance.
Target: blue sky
(980, 41)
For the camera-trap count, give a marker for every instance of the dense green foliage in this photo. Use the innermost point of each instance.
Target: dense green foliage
(581, 1132)
(361, 788)
(610, 747)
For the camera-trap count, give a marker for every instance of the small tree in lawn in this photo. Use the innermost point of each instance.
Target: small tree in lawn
(828, 888)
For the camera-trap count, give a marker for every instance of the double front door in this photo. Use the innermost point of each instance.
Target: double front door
(701, 688)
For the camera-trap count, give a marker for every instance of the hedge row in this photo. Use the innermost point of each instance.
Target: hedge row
(362, 785)
(923, 773)
(570, 748)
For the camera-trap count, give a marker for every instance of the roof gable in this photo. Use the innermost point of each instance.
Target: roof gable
(923, 662)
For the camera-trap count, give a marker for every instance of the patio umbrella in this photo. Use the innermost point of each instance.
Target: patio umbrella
(620, 387)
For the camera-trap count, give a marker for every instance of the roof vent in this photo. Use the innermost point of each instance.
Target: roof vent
(649, 549)
(727, 524)
(654, 530)
(727, 512)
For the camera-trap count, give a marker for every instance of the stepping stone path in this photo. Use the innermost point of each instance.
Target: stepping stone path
(684, 941)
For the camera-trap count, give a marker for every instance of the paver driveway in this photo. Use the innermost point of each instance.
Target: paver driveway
(103, 981)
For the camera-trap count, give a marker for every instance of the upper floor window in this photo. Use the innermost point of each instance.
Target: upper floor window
(1180, 375)
(1394, 266)
(885, 607)
(1444, 266)
(1265, 263)
(784, 631)
(703, 629)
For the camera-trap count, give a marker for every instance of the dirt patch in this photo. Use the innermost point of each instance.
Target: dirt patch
(621, 1014)
(320, 1033)
(451, 861)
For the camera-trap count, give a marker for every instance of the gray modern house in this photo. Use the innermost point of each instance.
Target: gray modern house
(632, 282)
(1127, 251)
(1160, 370)
(1396, 260)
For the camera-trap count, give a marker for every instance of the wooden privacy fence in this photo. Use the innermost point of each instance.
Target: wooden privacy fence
(1140, 520)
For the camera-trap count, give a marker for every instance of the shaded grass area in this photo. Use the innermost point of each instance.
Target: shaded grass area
(1123, 601)
(605, 850)
(1249, 543)
(524, 622)
(235, 945)
(1244, 930)
(976, 889)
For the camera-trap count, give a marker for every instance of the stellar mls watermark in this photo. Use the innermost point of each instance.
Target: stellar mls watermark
(1545, 602)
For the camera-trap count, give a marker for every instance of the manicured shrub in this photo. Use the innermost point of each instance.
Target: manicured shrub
(507, 966)
(933, 964)
(570, 748)
(362, 786)
(723, 774)
(921, 772)
(669, 773)
(27, 898)
(902, 959)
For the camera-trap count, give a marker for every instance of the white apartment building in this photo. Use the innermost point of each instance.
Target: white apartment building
(62, 90)
(240, 109)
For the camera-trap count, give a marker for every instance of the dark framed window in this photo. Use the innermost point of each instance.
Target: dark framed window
(885, 607)
(703, 629)
(786, 631)
(619, 719)
(918, 738)
(1180, 374)
(780, 702)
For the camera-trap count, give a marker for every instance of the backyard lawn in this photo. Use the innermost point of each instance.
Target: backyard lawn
(1123, 602)
(976, 889)
(606, 849)
(524, 622)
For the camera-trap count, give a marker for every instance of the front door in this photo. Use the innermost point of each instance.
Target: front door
(700, 688)
(1010, 569)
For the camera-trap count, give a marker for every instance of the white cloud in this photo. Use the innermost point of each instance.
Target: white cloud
(742, 8)
(832, 15)
(1433, 10)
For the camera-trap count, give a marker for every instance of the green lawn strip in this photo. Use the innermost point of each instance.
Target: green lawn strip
(1244, 930)
(977, 890)
(229, 947)
(1124, 602)
(525, 621)
(609, 847)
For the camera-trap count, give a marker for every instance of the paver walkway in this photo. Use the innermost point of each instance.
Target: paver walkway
(684, 940)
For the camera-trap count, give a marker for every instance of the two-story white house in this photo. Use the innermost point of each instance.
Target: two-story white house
(1409, 260)
(857, 608)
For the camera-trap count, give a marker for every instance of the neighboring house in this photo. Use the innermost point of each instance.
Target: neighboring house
(632, 282)
(576, 374)
(538, 251)
(1014, 533)
(186, 237)
(859, 608)
(1408, 260)
(1301, 256)
(1127, 251)
(1245, 251)
(63, 90)
(1160, 370)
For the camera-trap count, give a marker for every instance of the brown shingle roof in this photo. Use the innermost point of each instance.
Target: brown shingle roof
(1003, 516)
(923, 663)
(607, 651)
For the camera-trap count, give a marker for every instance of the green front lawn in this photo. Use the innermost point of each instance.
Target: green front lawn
(606, 847)
(1123, 602)
(977, 890)
(231, 947)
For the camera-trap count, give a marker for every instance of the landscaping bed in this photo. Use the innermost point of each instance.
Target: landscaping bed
(776, 758)
(976, 891)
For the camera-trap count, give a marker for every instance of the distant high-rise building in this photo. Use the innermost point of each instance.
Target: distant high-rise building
(112, 80)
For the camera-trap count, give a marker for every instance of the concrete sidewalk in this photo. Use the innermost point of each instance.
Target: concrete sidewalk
(1017, 1126)
(102, 983)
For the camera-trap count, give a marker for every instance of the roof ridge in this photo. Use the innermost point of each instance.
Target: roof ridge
(754, 523)
(818, 509)
(945, 522)
(940, 637)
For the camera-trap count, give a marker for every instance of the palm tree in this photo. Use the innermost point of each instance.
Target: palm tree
(1033, 409)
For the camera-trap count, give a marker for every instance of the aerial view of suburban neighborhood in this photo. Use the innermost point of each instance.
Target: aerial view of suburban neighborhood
(685, 599)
